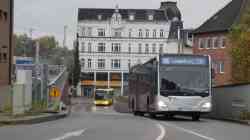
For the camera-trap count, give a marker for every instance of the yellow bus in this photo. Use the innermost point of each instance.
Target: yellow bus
(104, 97)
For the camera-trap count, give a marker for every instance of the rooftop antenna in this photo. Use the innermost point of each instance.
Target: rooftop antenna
(65, 36)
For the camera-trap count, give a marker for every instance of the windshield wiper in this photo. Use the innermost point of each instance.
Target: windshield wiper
(176, 93)
(195, 92)
(185, 92)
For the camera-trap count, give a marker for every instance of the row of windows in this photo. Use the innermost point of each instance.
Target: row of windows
(115, 63)
(131, 17)
(118, 33)
(3, 15)
(212, 42)
(218, 66)
(116, 48)
(103, 76)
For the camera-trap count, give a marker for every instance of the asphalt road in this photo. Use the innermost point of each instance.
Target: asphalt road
(88, 122)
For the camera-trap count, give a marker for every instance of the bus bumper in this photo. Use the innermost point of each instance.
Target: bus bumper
(184, 113)
(103, 103)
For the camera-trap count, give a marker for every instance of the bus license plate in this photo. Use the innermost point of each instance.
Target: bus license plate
(185, 109)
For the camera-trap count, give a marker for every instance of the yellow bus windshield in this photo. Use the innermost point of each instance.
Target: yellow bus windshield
(102, 95)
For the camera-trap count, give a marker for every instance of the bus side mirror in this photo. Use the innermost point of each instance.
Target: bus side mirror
(213, 73)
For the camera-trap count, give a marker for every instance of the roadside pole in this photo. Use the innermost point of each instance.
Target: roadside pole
(38, 70)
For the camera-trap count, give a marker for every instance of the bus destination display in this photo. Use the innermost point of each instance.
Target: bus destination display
(168, 60)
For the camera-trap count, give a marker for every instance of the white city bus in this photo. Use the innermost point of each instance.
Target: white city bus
(171, 84)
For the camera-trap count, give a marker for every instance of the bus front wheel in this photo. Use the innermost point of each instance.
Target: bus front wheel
(152, 115)
(133, 108)
(196, 117)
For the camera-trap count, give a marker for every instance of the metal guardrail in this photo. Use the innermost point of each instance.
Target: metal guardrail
(229, 102)
(59, 82)
(53, 82)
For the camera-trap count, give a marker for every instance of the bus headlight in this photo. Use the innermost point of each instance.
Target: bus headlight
(206, 105)
(106, 102)
(161, 104)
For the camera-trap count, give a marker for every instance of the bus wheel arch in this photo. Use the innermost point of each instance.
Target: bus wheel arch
(133, 105)
(134, 108)
(196, 117)
(148, 104)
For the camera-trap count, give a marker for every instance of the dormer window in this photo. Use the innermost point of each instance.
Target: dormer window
(131, 17)
(175, 19)
(99, 17)
(116, 18)
(150, 17)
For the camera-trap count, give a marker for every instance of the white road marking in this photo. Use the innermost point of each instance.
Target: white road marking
(163, 132)
(70, 134)
(111, 113)
(190, 132)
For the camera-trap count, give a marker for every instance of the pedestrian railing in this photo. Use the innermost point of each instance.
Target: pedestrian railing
(59, 83)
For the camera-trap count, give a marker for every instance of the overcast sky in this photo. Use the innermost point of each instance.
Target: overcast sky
(47, 17)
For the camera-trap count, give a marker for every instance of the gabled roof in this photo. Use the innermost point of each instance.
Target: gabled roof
(139, 14)
(223, 19)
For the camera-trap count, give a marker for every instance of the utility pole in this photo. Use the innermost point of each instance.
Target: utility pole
(37, 67)
(29, 43)
(31, 32)
(37, 52)
(65, 36)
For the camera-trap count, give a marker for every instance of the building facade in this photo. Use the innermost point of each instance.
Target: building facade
(187, 41)
(211, 39)
(6, 29)
(113, 40)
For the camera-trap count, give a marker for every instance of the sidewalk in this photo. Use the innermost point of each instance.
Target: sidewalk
(81, 100)
(30, 119)
(244, 122)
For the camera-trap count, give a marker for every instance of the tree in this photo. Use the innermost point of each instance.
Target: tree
(77, 67)
(24, 46)
(47, 44)
(240, 52)
(50, 52)
(48, 41)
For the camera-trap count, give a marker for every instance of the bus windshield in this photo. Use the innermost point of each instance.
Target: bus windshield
(101, 95)
(184, 81)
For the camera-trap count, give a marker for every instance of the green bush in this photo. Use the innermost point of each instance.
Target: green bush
(39, 106)
(7, 109)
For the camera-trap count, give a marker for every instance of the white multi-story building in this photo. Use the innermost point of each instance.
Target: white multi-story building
(113, 40)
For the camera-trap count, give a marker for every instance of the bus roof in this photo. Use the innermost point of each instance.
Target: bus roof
(169, 55)
(172, 54)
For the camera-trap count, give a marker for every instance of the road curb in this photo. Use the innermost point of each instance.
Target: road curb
(236, 121)
(230, 120)
(36, 120)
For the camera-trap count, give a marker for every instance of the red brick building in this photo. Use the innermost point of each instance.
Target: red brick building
(211, 39)
(6, 33)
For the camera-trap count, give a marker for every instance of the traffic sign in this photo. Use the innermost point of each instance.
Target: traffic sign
(55, 92)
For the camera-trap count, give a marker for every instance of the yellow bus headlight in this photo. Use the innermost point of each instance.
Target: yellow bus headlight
(106, 102)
